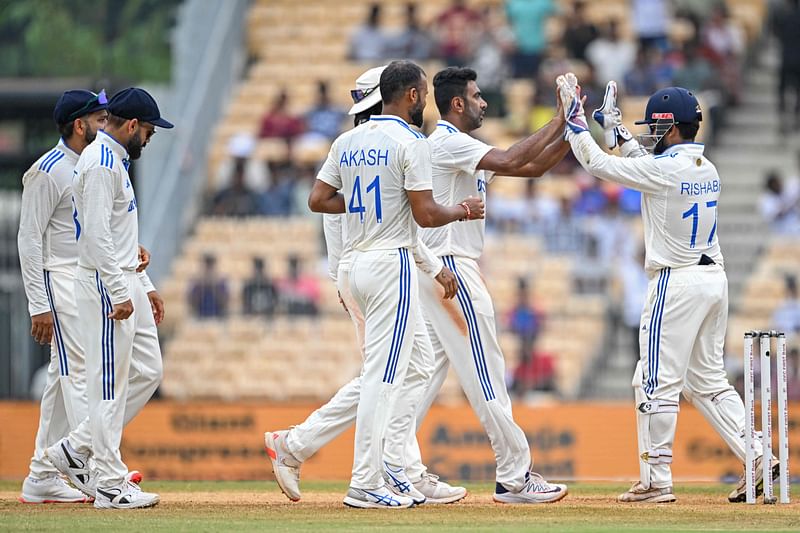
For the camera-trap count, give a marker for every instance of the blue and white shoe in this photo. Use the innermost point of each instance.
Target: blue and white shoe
(398, 482)
(536, 490)
(382, 498)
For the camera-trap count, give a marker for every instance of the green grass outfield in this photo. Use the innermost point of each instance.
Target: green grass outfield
(259, 506)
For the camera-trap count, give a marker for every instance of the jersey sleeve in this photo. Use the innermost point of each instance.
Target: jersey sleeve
(332, 229)
(639, 173)
(40, 196)
(98, 201)
(425, 259)
(329, 173)
(146, 282)
(416, 163)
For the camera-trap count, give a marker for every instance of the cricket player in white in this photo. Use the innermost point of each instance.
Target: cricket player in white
(465, 334)
(288, 449)
(383, 170)
(123, 357)
(48, 256)
(685, 316)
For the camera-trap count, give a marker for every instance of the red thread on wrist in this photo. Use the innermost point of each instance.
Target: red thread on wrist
(467, 209)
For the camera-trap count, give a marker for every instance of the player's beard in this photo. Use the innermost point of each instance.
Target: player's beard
(416, 114)
(475, 117)
(134, 147)
(89, 135)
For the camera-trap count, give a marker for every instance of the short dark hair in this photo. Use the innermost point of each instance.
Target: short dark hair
(66, 129)
(362, 117)
(397, 78)
(449, 83)
(688, 130)
(115, 121)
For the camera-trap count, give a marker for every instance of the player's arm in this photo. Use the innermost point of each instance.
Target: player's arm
(98, 194)
(325, 196)
(40, 197)
(427, 261)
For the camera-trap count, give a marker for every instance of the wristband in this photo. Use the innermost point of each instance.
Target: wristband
(467, 209)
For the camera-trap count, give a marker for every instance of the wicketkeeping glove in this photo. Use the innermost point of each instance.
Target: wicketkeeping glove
(570, 93)
(609, 117)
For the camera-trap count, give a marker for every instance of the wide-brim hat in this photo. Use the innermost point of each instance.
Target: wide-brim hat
(368, 90)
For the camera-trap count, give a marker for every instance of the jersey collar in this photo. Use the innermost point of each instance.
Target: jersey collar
(70, 154)
(444, 124)
(689, 147)
(115, 145)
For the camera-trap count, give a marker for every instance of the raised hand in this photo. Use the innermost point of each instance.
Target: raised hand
(609, 117)
(570, 94)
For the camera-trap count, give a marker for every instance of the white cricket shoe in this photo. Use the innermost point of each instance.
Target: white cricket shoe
(398, 482)
(739, 494)
(382, 498)
(638, 493)
(125, 496)
(72, 464)
(437, 491)
(52, 489)
(536, 490)
(284, 465)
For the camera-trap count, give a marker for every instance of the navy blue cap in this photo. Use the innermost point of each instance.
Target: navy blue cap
(77, 103)
(137, 103)
(674, 103)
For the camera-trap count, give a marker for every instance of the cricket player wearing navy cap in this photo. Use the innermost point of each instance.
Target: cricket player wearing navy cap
(118, 311)
(48, 256)
(684, 319)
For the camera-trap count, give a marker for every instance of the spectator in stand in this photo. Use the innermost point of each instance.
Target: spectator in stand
(278, 199)
(324, 120)
(259, 295)
(579, 31)
(723, 43)
(610, 55)
(298, 293)
(592, 199)
(527, 19)
(369, 42)
(208, 294)
(591, 272)
(413, 41)
(456, 27)
(565, 234)
(523, 320)
(280, 123)
(786, 25)
(539, 210)
(495, 43)
(236, 200)
(535, 372)
(780, 205)
(639, 79)
(651, 19)
(240, 151)
(787, 316)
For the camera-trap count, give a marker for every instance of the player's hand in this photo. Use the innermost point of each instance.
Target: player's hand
(157, 305)
(570, 94)
(474, 208)
(559, 108)
(121, 311)
(144, 258)
(448, 281)
(609, 117)
(42, 327)
(341, 301)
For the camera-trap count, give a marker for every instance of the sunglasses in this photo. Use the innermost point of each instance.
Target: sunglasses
(359, 94)
(99, 98)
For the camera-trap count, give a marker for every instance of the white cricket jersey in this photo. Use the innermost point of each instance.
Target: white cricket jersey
(455, 157)
(680, 194)
(46, 238)
(373, 165)
(335, 242)
(106, 215)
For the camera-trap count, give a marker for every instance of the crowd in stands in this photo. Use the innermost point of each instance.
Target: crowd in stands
(297, 294)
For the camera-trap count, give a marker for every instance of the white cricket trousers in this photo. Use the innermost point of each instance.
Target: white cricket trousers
(681, 348)
(463, 333)
(64, 400)
(123, 370)
(333, 418)
(384, 285)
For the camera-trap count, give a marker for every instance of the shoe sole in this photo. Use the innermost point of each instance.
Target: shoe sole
(33, 501)
(360, 504)
(112, 506)
(560, 497)
(272, 453)
(62, 465)
(445, 501)
(742, 497)
(663, 498)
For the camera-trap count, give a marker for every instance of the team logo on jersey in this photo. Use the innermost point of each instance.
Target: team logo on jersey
(132, 205)
(481, 185)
